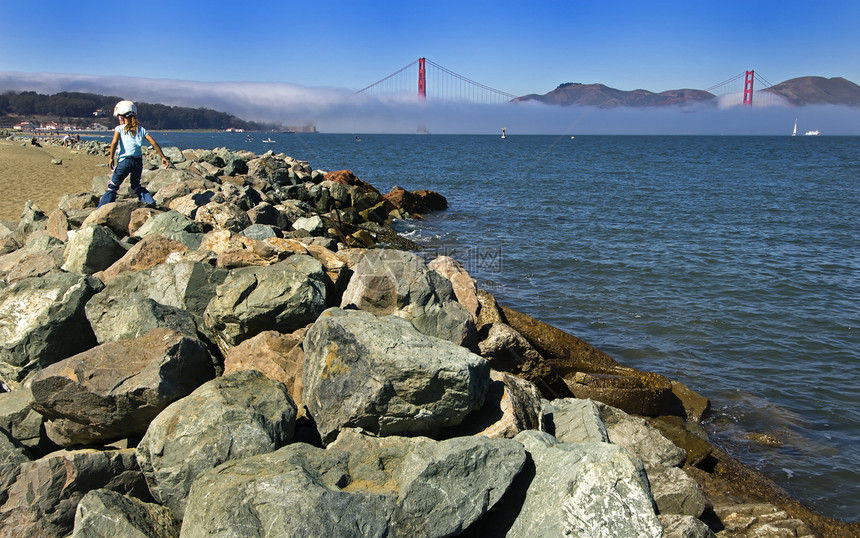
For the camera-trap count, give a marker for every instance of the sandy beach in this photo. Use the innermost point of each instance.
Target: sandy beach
(26, 173)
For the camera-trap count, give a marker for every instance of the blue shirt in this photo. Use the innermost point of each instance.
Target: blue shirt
(129, 146)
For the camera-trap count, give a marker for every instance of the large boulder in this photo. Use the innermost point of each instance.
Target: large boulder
(19, 419)
(382, 375)
(572, 489)
(148, 252)
(188, 285)
(387, 281)
(573, 420)
(277, 355)
(173, 225)
(116, 389)
(284, 297)
(642, 440)
(360, 486)
(231, 417)
(40, 497)
(115, 317)
(92, 249)
(103, 513)
(42, 321)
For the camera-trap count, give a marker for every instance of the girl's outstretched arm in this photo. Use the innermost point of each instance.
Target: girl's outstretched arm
(152, 141)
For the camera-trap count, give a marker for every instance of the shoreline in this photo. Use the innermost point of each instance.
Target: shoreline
(70, 177)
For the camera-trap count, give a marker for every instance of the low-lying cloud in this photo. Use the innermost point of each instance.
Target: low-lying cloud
(341, 110)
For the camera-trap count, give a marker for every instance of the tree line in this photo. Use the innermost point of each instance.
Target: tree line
(80, 109)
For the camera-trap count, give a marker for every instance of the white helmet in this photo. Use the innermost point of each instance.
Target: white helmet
(125, 107)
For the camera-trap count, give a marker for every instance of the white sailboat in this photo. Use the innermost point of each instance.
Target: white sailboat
(503, 133)
(794, 133)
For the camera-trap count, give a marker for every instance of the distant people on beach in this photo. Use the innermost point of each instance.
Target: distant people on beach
(126, 154)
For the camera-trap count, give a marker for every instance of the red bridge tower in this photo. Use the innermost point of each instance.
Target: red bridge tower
(748, 87)
(422, 80)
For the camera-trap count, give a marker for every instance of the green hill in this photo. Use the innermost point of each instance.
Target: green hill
(83, 109)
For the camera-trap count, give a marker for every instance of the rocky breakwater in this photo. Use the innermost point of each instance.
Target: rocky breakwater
(258, 356)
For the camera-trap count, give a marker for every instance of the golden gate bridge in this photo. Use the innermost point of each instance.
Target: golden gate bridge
(424, 79)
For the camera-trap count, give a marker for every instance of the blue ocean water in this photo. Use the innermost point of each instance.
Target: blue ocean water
(727, 263)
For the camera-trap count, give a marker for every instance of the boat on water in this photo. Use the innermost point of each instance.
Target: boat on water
(813, 133)
(503, 133)
(794, 132)
(268, 141)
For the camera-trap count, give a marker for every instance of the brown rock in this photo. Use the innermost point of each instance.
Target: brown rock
(421, 201)
(115, 216)
(591, 373)
(139, 217)
(345, 177)
(465, 287)
(58, 225)
(114, 390)
(148, 252)
(276, 355)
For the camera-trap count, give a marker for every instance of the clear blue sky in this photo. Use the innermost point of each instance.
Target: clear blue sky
(518, 47)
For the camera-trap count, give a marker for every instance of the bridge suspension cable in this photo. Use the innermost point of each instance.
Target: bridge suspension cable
(435, 82)
(740, 89)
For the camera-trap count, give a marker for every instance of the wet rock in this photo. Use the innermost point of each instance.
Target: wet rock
(640, 438)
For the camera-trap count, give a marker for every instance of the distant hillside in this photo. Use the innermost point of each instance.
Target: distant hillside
(84, 109)
(818, 91)
(798, 91)
(601, 96)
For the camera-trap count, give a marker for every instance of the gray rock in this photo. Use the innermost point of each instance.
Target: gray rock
(155, 180)
(32, 219)
(11, 452)
(118, 317)
(19, 419)
(103, 513)
(231, 417)
(382, 375)
(573, 420)
(42, 496)
(114, 390)
(92, 249)
(361, 486)
(173, 225)
(42, 320)
(677, 526)
(675, 492)
(387, 281)
(512, 405)
(222, 216)
(594, 489)
(640, 438)
(313, 225)
(188, 285)
(260, 231)
(284, 297)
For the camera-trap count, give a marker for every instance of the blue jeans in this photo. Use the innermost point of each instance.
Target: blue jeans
(127, 166)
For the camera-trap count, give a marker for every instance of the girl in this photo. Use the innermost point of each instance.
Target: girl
(129, 135)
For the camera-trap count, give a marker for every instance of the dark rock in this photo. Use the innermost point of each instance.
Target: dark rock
(116, 389)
